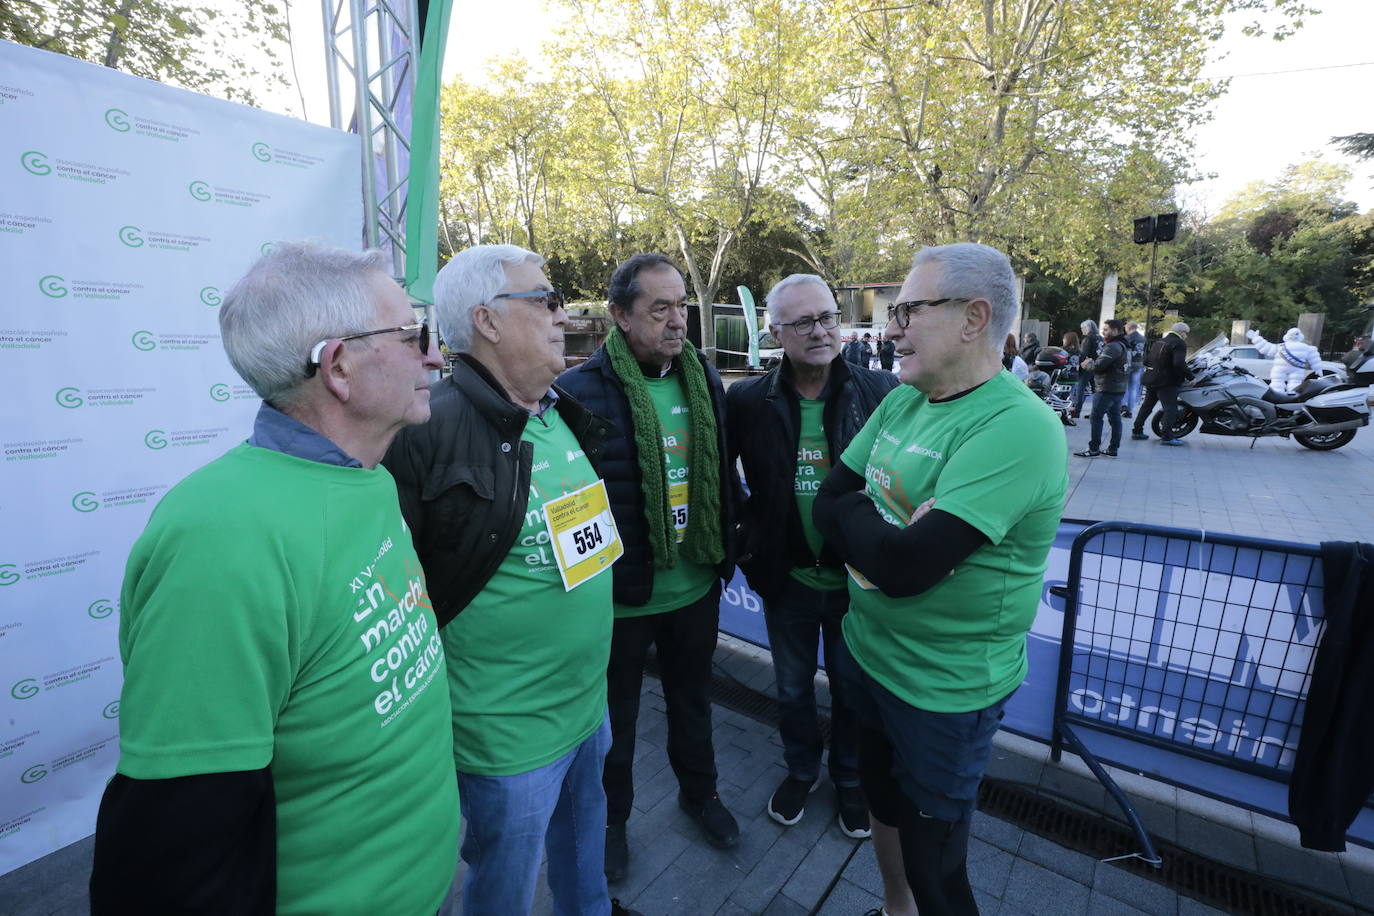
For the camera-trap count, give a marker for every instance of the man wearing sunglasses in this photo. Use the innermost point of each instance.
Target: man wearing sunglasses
(786, 427)
(284, 710)
(944, 506)
(524, 601)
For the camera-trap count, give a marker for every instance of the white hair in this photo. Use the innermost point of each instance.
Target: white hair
(471, 278)
(791, 282)
(294, 296)
(1088, 326)
(973, 271)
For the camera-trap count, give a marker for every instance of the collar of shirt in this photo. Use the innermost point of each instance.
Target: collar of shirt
(274, 430)
(550, 399)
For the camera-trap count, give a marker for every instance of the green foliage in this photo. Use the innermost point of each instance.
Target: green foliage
(193, 45)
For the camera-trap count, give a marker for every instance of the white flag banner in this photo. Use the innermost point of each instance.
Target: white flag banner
(127, 209)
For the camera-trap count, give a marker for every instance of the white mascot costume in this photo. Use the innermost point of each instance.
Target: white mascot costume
(1293, 359)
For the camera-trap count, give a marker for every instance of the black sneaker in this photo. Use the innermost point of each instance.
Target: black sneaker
(1109, 453)
(1137, 434)
(788, 803)
(717, 823)
(1088, 453)
(853, 817)
(618, 910)
(617, 853)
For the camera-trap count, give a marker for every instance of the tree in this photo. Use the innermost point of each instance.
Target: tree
(1361, 146)
(193, 45)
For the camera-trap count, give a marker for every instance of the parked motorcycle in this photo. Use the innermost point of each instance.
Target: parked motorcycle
(1323, 414)
(1058, 393)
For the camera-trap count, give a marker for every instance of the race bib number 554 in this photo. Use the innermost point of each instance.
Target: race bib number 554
(583, 534)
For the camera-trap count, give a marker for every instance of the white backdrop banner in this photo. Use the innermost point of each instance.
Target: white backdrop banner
(127, 208)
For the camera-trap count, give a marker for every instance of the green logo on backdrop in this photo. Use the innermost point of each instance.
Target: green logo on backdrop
(155, 439)
(85, 501)
(24, 688)
(262, 152)
(51, 285)
(117, 119)
(35, 162)
(199, 190)
(209, 295)
(100, 609)
(219, 391)
(34, 773)
(131, 236)
(143, 340)
(265, 247)
(6, 576)
(111, 710)
(68, 397)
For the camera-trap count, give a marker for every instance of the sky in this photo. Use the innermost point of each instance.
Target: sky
(1270, 117)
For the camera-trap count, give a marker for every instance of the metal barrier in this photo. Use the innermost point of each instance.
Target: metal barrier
(1189, 642)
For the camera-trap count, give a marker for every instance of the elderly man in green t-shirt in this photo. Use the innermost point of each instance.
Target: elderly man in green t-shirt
(946, 532)
(283, 721)
(512, 523)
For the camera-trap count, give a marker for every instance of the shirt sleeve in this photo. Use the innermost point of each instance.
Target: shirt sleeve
(209, 647)
(992, 486)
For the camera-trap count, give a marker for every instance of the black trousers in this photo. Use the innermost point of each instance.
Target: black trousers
(686, 641)
(1166, 396)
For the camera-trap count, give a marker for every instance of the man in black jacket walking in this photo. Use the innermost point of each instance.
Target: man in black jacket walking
(1109, 382)
(672, 491)
(1166, 369)
(786, 427)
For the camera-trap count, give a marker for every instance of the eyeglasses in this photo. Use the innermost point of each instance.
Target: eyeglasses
(313, 363)
(551, 299)
(803, 326)
(901, 312)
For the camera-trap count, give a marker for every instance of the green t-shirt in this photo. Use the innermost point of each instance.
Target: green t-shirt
(997, 459)
(527, 660)
(813, 463)
(686, 582)
(274, 613)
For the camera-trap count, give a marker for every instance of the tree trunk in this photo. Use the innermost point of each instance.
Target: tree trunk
(114, 49)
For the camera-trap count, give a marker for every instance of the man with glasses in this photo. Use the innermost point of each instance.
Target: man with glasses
(509, 516)
(946, 530)
(672, 491)
(284, 710)
(785, 427)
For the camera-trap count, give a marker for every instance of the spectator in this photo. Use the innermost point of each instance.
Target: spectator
(1030, 347)
(1092, 344)
(672, 491)
(284, 739)
(1166, 369)
(1109, 371)
(784, 427)
(886, 353)
(1135, 347)
(948, 532)
(1012, 361)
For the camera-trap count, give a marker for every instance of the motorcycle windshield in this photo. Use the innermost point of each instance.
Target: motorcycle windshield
(1215, 344)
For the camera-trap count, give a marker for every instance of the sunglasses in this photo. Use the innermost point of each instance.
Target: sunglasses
(313, 362)
(551, 299)
(901, 312)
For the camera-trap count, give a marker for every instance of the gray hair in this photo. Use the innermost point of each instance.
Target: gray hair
(471, 278)
(791, 282)
(1088, 326)
(973, 271)
(294, 296)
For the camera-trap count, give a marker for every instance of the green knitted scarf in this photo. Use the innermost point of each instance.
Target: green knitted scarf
(703, 541)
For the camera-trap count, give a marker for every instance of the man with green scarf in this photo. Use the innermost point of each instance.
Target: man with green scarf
(672, 493)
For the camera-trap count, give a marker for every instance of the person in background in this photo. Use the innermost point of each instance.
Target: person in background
(284, 718)
(1166, 369)
(1012, 361)
(1030, 347)
(1135, 347)
(887, 352)
(785, 427)
(1088, 350)
(1109, 383)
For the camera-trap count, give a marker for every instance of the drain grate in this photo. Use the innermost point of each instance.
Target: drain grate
(1093, 834)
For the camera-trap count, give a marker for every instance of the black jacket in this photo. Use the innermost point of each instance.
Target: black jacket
(1166, 364)
(764, 424)
(1111, 367)
(464, 479)
(1333, 772)
(596, 385)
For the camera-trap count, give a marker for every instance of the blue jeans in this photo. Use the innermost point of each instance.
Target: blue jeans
(1081, 388)
(1108, 405)
(559, 808)
(1133, 389)
(796, 622)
